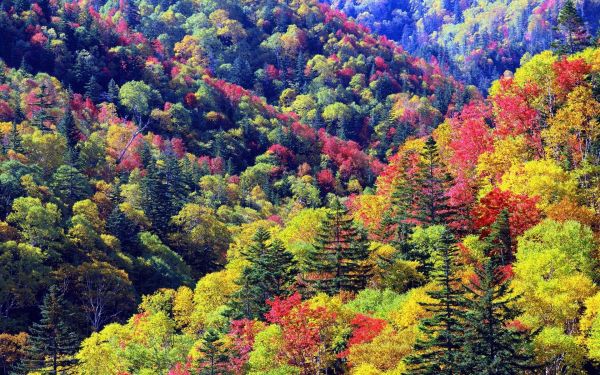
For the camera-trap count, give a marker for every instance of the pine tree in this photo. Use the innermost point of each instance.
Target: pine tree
(271, 273)
(41, 116)
(93, 89)
(52, 342)
(70, 185)
(397, 221)
(177, 188)
(215, 358)
(433, 182)
(499, 242)
(491, 346)
(439, 351)
(68, 129)
(155, 197)
(338, 261)
(15, 139)
(112, 94)
(571, 26)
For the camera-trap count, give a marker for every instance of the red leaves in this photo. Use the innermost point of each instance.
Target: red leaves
(305, 329)
(285, 155)
(242, 333)
(326, 180)
(471, 135)
(346, 155)
(190, 100)
(569, 73)
(523, 213)
(39, 39)
(380, 63)
(365, 329)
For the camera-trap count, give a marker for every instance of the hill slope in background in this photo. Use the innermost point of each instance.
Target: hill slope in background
(203, 186)
(477, 40)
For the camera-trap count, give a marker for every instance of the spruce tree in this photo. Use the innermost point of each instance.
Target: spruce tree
(112, 94)
(215, 358)
(68, 129)
(41, 116)
(52, 342)
(433, 182)
(439, 351)
(177, 188)
(490, 345)
(573, 30)
(155, 197)
(338, 261)
(15, 139)
(498, 243)
(271, 273)
(93, 89)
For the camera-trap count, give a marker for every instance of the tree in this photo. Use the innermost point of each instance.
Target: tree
(104, 291)
(433, 182)
(68, 129)
(137, 97)
(439, 352)
(572, 28)
(214, 359)
(155, 197)
(271, 272)
(38, 223)
(52, 342)
(69, 185)
(494, 343)
(339, 260)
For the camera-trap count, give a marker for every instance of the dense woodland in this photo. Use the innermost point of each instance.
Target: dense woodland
(272, 187)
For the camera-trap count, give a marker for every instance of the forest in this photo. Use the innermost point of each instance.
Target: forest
(297, 187)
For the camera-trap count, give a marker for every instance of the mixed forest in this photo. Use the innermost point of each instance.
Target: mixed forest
(286, 187)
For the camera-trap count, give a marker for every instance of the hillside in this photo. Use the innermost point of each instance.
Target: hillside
(268, 187)
(476, 40)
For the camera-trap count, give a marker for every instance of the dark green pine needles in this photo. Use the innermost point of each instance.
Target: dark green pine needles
(339, 260)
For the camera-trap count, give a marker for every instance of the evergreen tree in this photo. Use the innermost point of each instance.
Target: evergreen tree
(215, 358)
(491, 346)
(15, 139)
(112, 94)
(433, 182)
(155, 197)
(41, 116)
(397, 221)
(439, 351)
(70, 185)
(93, 89)
(52, 342)
(68, 129)
(499, 242)
(338, 261)
(271, 272)
(177, 188)
(572, 29)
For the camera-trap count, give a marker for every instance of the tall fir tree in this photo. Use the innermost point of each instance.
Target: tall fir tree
(214, 358)
(439, 351)
(112, 93)
(52, 342)
(271, 273)
(491, 345)
(41, 116)
(93, 89)
(15, 139)
(177, 187)
(155, 197)
(571, 28)
(339, 260)
(68, 129)
(498, 243)
(433, 182)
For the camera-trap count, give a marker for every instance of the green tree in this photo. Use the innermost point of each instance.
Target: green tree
(137, 97)
(69, 185)
(215, 358)
(339, 260)
(439, 351)
(38, 223)
(271, 272)
(572, 30)
(155, 197)
(68, 129)
(433, 182)
(52, 341)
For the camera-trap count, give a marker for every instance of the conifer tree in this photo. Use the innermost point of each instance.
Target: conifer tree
(15, 139)
(499, 242)
(215, 357)
(338, 261)
(93, 89)
(68, 129)
(177, 189)
(112, 94)
(439, 351)
(41, 115)
(573, 30)
(155, 197)
(491, 346)
(271, 273)
(433, 182)
(52, 342)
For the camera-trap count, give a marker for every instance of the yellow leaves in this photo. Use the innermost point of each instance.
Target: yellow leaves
(212, 292)
(183, 307)
(543, 178)
(590, 326)
(507, 152)
(228, 29)
(45, 149)
(384, 354)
